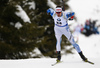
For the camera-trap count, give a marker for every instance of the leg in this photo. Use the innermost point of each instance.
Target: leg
(58, 44)
(68, 34)
(83, 57)
(58, 47)
(76, 46)
(58, 56)
(58, 35)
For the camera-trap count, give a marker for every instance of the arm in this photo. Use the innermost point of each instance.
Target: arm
(51, 11)
(70, 15)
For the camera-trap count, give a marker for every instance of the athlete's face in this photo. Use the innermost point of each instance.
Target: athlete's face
(59, 14)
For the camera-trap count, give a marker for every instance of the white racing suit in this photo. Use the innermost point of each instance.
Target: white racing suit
(62, 28)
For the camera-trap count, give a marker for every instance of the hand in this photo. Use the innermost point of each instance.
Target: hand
(48, 11)
(71, 18)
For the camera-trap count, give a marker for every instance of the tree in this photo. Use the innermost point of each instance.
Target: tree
(17, 43)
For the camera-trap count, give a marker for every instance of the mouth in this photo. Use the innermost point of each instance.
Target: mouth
(58, 12)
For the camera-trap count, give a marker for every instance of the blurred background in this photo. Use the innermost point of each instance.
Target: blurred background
(26, 30)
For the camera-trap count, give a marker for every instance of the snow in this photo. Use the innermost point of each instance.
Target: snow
(90, 46)
(32, 5)
(36, 52)
(51, 4)
(46, 63)
(85, 9)
(22, 14)
(18, 25)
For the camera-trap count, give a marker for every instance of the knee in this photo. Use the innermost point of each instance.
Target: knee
(72, 41)
(58, 39)
(75, 45)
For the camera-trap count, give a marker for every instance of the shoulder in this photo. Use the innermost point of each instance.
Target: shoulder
(54, 14)
(64, 14)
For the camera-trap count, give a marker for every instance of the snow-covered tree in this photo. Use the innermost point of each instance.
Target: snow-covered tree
(25, 25)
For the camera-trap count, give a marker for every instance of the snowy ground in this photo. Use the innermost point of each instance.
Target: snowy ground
(89, 45)
(46, 63)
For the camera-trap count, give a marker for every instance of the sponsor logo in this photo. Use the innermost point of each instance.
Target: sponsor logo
(58, 19)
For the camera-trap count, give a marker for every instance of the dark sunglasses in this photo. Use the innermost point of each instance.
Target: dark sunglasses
(58, 12)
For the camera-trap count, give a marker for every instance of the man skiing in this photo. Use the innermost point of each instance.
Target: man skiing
(61, 28)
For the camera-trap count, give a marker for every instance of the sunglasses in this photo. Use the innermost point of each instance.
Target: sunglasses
(58, 12)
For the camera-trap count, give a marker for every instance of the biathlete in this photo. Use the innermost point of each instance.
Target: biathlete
(61, 28)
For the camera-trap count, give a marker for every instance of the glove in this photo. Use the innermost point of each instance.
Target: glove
(48, 11)
(71, 18)
(70, 14)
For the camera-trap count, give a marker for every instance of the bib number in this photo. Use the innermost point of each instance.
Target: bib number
(59, 23)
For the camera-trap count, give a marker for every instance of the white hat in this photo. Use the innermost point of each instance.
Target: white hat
(58, 9)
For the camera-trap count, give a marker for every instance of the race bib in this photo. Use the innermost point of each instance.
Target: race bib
(58, 22)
